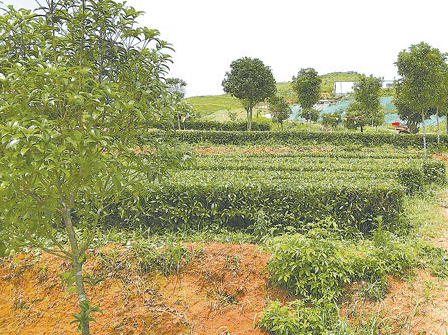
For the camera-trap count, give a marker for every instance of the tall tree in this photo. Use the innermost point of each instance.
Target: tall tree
(79, 82)
(420, 69)
(367, 96)
(307, 86)
(250, 81)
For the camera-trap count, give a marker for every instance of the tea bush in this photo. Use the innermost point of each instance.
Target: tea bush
(311, 268)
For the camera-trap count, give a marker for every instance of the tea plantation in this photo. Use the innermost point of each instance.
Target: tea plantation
(331, 209)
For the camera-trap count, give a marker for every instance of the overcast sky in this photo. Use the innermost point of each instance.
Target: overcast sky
(287, 35)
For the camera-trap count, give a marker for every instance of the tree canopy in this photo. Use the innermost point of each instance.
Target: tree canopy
(79, 83)
(307, 87)
(250, 81)
(422, 70)
(367, 100)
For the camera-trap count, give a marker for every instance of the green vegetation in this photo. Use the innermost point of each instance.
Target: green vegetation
(72, 98)
(206, 105)
(302, 139)
(251, 82)
(329, 79)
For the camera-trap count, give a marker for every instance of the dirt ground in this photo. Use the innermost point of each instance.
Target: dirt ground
(221, 292)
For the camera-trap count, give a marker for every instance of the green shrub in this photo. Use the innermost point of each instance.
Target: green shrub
(309, 267)
(398, 257)
(412, 179)
(436, 259)
(210, 125)
(434, 171)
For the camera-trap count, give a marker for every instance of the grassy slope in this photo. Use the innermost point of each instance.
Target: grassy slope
(211, 104)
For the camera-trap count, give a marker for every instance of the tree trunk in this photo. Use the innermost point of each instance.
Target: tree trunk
(249, 119)
(77, 266)
(424, 130)
(438, 126)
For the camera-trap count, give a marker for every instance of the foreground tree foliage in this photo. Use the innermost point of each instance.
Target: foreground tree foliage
(250, 81)
(78, 82)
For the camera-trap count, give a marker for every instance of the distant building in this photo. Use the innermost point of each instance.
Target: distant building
(343, 87)
(387, 84)
(346, 87)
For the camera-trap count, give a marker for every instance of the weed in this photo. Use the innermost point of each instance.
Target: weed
(300, 318)
(220, 291)
(168, 259)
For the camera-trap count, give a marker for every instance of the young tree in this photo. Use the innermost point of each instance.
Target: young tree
(354, 117)
(280, 107)
(367, 96)
(78, 82)
(250, 81)
(332, 120)
(177, 88)
(420, 69)
(307, 86)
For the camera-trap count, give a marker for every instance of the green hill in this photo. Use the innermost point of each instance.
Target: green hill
(329, 79)
(206, 105)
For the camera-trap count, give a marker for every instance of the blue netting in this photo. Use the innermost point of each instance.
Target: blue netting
(342, 105)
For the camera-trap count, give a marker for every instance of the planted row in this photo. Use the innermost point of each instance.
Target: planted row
(411, 173)
(229, 200)
(301, 138)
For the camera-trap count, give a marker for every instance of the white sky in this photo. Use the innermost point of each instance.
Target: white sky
(287, 35)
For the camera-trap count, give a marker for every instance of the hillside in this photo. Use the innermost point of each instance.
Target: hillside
(206, 105)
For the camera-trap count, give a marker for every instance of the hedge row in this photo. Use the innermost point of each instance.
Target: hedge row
(300, 138)
(411, 173)
(327, 163)
(210, 125)
(235, 199)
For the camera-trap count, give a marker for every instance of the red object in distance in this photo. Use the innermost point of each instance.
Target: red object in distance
(396, 124)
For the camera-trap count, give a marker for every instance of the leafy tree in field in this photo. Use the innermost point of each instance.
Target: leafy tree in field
(177, 88)
(367, 96)
(307, 86)
(410, 117)
(281, 109)
(250, 81)
(78, 82)
(422, 69)
(354, 118)
(332, 120)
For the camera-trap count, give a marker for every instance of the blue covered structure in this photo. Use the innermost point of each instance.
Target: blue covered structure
(342, 105)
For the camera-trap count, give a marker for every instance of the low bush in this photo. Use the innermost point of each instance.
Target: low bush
(311, 268)
(298, 318)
